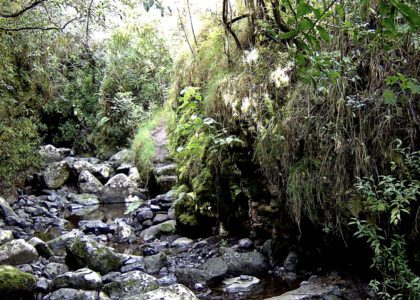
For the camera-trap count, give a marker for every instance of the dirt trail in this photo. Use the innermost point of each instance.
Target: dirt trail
(160, 139)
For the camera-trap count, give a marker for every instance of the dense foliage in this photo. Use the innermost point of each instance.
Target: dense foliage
(318, 92)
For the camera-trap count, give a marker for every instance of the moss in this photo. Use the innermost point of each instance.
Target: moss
(188, 219)
(14, 280)
(167, 227)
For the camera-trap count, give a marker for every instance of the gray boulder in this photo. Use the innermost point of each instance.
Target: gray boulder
(120, 187)
(41, 247)
(6, 210)
(123, 156)
(155, 231)
(241, 284)
(72, 294)
(248, 263)
(89, 184)
(154, 263)
(84, 279)
(50, 154)
(54, 269)
(85, 252)
(83, 199)
(172, 292)
(17, 252)
(58, 244)
(310, 291)
(56, 174)
(212, 271)
(5, 236)
(130, 284)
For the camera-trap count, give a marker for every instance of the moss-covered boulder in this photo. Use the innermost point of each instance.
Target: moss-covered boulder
(157, 230)
(134, 283)
(56, 174)
(84, 252)
(12, 280)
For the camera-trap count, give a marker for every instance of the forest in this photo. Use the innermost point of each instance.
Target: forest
(225, 149)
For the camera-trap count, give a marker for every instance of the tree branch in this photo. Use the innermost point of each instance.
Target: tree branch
(39, 27)
(22, 11)
(228, 24)
(236, 19)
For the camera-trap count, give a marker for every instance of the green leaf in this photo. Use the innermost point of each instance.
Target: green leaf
(303, 9)
(389, 97)
(407, 12)
(305, 24)
(340, 11)
(323, 33)
(287, 35)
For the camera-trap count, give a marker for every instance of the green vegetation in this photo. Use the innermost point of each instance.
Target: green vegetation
(12, 280)
(143, 145)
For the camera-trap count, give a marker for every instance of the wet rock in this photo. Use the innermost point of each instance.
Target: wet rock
(245, 244)
(84, 279)
(159, 218)
(267, 249)
(6, 210)
(72, 294)
(167, 280)
(120, 157)
(212, 271)
(54, 269)
(42, 285)
(291, 261)
(136, 266)
(41, 247)
(144, 214)
(173, 292)
(249, 263)
(89, 184)
(50, 154)
(155, 262)
(58, 244)
(312, 291)
(5, 236)
(56, 174)
(86, 252)
(241, 284)
(123, 231)
(169, 169)
(182, 243)
(120, 187)
(13, 280)
(83, 199)
(154, 231)
(129, 284)
(95, 226)
(17, 252)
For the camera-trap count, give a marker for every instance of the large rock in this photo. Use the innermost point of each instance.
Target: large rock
(123, 156)
(248, 263)
(129, 284)
(155, 231)
(211, 272)
(85, 252)
(6, 210)
(84, 279)
(172, 292)
(83, 199)
(41, 247)
(89, 184)
(54, 269)
(154, 263)
(50, 154)
(17, 252)
(56, 174)
(58, 244)
(311, 291)
(120, 187)
(13, 280)
(72, 294)
(5, 236)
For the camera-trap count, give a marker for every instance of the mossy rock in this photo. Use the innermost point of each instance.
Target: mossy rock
(188, 219)
(168, 227)
(13, 280)
(84, 252)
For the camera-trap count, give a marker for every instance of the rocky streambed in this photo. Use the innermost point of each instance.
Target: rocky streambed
(67, 237)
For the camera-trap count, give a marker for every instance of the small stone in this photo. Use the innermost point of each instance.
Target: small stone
(5, 236)
(246, 244)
